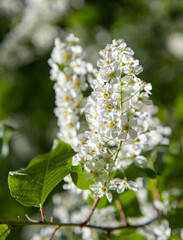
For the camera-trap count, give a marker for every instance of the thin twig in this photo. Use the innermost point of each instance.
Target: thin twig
(121, 212)
(56, 229)
(108, 235)
(31, 220)
(42, 213)
(91, 211)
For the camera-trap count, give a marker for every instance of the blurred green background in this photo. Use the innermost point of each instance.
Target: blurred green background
(153, 29)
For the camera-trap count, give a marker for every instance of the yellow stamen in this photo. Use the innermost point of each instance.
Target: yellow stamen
(111, 124)
(126, 128)
(67, 57)
(77, 84)
(67, 98)
(111, 74)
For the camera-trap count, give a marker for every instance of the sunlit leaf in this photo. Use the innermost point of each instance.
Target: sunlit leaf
(31, 186)
(128, 234)
(78, 176)
(4, 231)
(103, 202)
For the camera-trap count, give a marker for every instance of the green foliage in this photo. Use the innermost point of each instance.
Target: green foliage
(31, 186)
(175, 218)
(5, 135)
(103, 202)
(156, 160)
(129, 203)
(172, 176)
(128, 234)
(4, 231)
(78, 176)
(87, 16)
(61, 67)
(5, 88)
(133, 171)
(178, 105)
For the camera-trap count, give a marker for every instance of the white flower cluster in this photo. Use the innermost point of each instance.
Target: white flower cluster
(121, 122)
(157, 230)
(70, 72)
(35, 31)
(120, 116)
(11, 7)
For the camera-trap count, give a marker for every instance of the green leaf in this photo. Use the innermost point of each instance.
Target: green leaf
(175, 218)
(61, 67)
(103, 202)
(159, 162)
(78, 177)
(128, 234)
(31, 186)
(133, 171)
(150, 173)
(129, 203)
(4, 231)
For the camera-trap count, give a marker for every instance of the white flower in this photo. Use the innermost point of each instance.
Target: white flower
(100, 190)
(121, 185)
(71, 38)
(127, 125)
(79, 67)
(162, 230)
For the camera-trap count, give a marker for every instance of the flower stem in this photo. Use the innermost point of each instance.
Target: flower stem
(56, 229)
(108, 235)
(42, 213)
(121, 212)
(91, 211)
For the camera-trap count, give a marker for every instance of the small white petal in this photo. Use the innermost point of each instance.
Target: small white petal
(132, 185)
(133, 133)
(122, 136)
(132, 122)
(109, 196)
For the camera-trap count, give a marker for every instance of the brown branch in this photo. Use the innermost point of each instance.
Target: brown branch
(91, 212)
(121, 212)
(58, 225)
(56, 229)
(108, 235)
(102, 228)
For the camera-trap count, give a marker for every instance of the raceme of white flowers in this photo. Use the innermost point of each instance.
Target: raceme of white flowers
(70, 73)
(120, 116)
